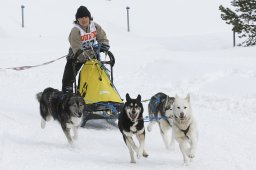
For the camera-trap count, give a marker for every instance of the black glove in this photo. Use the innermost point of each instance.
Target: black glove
(104, 48)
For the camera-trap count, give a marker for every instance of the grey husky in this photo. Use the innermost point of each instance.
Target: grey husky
(184, 128)
(67, 109)
(130, 122)
(160, 111)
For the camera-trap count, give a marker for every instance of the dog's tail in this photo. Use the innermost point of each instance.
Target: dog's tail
(39, 96)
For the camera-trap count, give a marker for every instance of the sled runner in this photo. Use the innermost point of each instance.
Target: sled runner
(95, 84)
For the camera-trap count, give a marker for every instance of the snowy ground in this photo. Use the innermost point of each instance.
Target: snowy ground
(176, 47)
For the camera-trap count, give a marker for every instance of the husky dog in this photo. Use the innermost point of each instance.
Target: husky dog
(160, 111)
(67, 109)
(184, 128)
(130, 122)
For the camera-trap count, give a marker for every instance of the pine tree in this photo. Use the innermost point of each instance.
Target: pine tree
(243, 19)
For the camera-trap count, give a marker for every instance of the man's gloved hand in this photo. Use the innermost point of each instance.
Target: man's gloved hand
(104, 47)
(81, 56)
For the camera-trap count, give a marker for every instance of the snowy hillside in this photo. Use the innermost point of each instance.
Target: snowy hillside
(176, 47)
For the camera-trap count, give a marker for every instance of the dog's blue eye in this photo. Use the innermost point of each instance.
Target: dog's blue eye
(178, 107)
(185, 107)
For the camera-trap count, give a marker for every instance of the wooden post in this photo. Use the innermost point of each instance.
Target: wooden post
(128, 24)
(22, 15)
(234, 38)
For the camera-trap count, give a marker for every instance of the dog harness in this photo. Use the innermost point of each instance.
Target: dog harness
(154, 104)
(185, 131)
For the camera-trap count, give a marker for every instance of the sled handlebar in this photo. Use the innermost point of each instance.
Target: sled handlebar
(111, 61)
(98, 49)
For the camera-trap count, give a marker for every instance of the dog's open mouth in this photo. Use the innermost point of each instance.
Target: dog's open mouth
(133, 116)
(182, 117)
(78, 114)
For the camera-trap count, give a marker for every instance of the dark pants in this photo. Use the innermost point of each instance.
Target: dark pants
(69, 75)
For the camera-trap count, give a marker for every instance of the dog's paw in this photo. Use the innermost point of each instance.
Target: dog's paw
(133, 161)
(149, 128)
(71, 143)
(145, 154)
(186, 163)
(139, 155)
(141, 152)
(191, 155)
(43, 123)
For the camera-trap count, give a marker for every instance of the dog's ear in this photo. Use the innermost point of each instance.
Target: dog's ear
(172, 99)
(188, 97)
(128, 98)
(138, 98)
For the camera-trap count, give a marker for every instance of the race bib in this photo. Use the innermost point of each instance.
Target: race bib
(88, 39)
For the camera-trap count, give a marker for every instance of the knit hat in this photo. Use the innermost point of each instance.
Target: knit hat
(82, 11)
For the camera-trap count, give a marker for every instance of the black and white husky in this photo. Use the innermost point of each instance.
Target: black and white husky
(160, 111)
(130, 122)
(67, 109)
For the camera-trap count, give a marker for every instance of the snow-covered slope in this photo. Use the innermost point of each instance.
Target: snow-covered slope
(176, 47)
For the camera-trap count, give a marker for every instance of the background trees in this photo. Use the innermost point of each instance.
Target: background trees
(243, 20)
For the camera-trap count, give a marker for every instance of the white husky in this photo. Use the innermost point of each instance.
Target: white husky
(184, 128)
